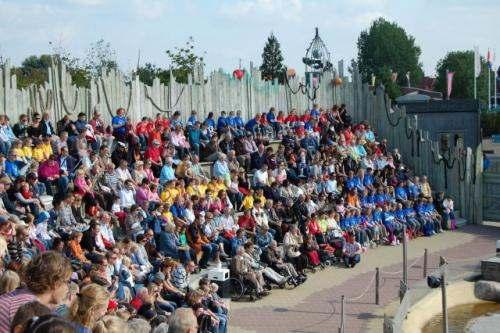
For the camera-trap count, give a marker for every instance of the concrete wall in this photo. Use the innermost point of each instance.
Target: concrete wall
(460, 117)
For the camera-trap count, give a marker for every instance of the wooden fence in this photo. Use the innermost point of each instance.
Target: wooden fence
(214, 93)
(457, 171)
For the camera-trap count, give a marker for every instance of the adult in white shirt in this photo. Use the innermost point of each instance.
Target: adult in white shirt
(227, 221)
(106, 230)
(261, 177)
(123, 172)
(259, 214)
(127, 195)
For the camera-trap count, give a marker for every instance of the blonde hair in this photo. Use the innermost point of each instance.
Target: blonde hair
(126, 261)
(110, 324)
(3, 247)
(88, 300)
(9, 281)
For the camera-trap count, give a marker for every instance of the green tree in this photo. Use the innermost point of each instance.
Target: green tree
(272, 59)
(385, 48)
(148, 72)
(462, 64)
(100, 58)
(33, 70)
(80, 76)
(184, 60)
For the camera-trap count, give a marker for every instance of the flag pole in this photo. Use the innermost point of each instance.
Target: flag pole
(475, 85)
(477, 69)
(489, 89)
(495, 74)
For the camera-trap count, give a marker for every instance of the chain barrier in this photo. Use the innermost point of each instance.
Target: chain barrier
(363, 293)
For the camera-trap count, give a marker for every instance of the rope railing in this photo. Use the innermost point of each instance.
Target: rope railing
(367, 289)
(401, 271)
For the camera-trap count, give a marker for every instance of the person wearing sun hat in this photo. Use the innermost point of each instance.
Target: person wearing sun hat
(41, 229)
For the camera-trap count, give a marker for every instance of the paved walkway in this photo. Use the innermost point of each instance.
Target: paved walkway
(315, 306)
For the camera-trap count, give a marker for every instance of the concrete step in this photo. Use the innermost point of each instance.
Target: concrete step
(195, 278)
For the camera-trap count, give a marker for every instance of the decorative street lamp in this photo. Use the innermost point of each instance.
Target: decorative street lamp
(317, 62)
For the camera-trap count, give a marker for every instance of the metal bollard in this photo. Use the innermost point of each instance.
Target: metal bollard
(426, 254)
(342, 304)
(377, 286)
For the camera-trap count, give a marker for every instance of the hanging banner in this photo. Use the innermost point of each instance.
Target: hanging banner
(449, 83)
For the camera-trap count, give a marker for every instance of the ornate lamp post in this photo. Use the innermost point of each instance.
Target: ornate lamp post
(316, 61)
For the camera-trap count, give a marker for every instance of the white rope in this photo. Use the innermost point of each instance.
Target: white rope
(364, 292)
(401, 271)
(454, 260)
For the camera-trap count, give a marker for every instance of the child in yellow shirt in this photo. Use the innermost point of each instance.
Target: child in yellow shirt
(47, 148)
(27, 148)
(38, 152)
(248, 200)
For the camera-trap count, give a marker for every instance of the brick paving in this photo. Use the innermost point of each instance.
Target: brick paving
(315, 306)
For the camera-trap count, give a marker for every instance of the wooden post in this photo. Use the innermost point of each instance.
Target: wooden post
(444, 301)
(426, 253)
(405, 257)
(377, 286)
(342, 304)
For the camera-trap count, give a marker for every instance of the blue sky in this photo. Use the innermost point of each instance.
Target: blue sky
(228, 30)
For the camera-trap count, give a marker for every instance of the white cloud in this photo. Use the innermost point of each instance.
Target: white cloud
(150, 9)
(87, 2)
(290, 10)
(365, 19)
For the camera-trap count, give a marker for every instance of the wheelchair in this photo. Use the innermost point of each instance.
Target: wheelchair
(240, 288)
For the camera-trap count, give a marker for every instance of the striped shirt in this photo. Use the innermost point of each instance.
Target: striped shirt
(9, 303)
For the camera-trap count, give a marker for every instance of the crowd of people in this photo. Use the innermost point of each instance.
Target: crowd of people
(102, 224)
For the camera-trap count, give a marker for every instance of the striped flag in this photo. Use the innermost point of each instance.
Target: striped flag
(449, 83)
(489, 59)
(477, 62)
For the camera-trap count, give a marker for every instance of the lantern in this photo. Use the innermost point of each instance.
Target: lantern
(238, 74)
(290, 72)
(337, 81)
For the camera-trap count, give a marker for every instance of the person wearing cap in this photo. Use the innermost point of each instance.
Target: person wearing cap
(120, 153)
(41, 229)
